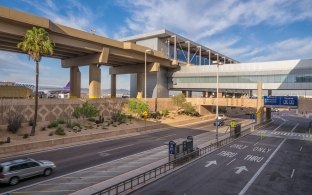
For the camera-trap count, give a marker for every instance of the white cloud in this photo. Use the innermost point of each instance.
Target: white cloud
(70, 13)
(293, 48)
(204, 18)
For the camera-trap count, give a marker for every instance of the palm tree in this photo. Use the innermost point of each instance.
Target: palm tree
(36, 43)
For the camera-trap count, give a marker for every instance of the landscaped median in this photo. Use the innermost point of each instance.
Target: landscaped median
(7, 150)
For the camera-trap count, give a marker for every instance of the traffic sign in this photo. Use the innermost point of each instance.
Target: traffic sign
(232, 124)
(281, 101)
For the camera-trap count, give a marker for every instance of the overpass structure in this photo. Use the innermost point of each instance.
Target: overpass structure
(77, 48)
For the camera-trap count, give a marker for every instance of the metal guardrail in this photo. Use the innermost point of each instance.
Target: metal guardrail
(145, 177)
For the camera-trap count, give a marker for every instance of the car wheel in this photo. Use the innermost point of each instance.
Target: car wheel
(47, 172)
(13, 181)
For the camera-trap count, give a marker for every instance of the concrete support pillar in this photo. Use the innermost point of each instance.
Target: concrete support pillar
(113, 86)
(175, 60)
(75, 82)
(259, 103)
(204, 94)
(94, 81)
(189, 94)
(188, 53)
(184, 93)
(268, 110)
(209, 52)
(140, 83)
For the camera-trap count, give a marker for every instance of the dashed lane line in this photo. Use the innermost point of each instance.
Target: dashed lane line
(115, 148)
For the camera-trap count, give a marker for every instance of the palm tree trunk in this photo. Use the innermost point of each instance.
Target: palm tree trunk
(33, 130)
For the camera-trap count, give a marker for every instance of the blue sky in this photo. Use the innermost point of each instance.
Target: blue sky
(246, 30)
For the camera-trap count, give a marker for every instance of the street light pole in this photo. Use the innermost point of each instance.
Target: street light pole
(148, 50)
(217, 107)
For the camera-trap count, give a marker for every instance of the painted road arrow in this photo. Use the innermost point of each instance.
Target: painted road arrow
(211, 163)
(240, 169)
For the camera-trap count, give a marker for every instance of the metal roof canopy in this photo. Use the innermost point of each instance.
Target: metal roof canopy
(72, 43)
(169, 36)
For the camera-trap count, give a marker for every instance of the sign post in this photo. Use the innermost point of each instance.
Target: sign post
(145, 114)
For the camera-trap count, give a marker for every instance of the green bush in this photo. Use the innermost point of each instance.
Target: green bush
(14, 121)
(60, 121)
(155, 115)
(53, 124)
(85, 111)
(119, 117)
(165, 113)
(60, 131)
(137, 106)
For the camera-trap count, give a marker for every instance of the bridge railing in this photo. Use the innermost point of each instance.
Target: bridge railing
(128, 185)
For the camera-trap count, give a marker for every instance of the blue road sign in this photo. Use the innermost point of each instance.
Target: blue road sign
(172, 147)
(280, 101)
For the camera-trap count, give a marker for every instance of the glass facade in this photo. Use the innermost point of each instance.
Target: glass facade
(182, 56)
(278, 78)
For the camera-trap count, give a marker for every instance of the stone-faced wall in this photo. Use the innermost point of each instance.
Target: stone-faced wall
(51, 109)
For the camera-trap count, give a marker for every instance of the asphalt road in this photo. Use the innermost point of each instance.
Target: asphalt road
(75, 158)
(251, 165)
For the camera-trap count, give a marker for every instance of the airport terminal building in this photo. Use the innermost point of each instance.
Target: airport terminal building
(197, 70)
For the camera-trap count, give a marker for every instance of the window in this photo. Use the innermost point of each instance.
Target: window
(1, 169)
(33, 164)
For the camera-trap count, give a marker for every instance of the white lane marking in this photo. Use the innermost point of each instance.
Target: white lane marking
(115, 148)
(250, 182)
(214, 162)
(256, 143)
(292, 174)
(240, 169)
(279, 126)
(231, 161)
(300, 148)
(294, 127)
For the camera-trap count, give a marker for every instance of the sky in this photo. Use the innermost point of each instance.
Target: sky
(245, 30)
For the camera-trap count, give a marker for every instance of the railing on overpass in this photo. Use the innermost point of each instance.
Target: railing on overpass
(143, 178)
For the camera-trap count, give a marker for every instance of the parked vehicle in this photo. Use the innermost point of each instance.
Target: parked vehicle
(222, 116)
(11, 172)
(219, 122)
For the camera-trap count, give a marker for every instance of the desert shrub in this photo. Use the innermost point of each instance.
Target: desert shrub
(85, 111)
(165, 113)
(119, 117)
(76, 124)
(60, 131)
(155, 115)
(54, 124)
(43, 128)
(91, 119)
(61, 121)
(25, 136)
(138, 107)
(100, 119)
(51, 134)
(14, 121)
(178, 100)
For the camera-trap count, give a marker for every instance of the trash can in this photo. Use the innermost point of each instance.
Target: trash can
(237, 130)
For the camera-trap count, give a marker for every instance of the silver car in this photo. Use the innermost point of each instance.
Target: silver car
(11, 172)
